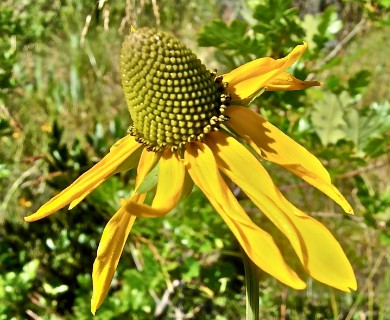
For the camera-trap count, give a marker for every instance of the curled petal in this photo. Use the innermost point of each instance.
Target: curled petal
(146, 162)
(313, 243)
(286, 81)
(90, 180)
(247, 80)
(109, 252)
(169, 187)
(273, 145)
(258, 245)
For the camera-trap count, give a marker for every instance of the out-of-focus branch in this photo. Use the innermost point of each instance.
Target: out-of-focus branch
(357, 28)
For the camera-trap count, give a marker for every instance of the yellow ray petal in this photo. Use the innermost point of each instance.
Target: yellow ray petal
(128, 164)
(109, 252)
(90, 179)
(286, 81)
(313, 243)
(258, 245)
(273, 145)
(244, 82)
(188, 185)
(169, 186)
(147, 161)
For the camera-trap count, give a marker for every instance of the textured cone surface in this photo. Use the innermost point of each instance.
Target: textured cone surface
(171, 96)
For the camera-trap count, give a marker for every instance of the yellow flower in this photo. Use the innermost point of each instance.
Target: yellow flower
(191, 123)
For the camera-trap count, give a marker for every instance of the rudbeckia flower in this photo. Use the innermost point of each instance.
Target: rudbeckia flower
(193, 126)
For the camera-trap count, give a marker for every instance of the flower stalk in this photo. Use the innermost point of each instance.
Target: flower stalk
(251, 288)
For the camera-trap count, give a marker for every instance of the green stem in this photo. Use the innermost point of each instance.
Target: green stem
(252, 288)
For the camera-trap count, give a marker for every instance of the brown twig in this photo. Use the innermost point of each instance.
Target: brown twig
(33, 315)
(358, 171)
(357, 28)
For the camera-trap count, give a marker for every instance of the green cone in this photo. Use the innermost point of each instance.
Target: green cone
(172, 98)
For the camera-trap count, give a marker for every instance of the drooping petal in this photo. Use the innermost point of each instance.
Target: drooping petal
(169, 187)
(247, 80)
(188, 185)
(313, 243)
(147, 161)
(275, 146)
(286, 81)
(257, 244)
(109, 252)
(128, 164)
(90, 180)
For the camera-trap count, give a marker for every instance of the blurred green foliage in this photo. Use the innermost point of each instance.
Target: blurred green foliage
(9, 28)
(62, 107)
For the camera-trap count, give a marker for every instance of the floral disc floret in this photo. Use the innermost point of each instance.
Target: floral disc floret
(172, 98)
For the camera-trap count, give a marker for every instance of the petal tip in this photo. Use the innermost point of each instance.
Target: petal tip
(73, 204)
(301, 285)
(94, 304)
(344, 204)
(301, 47)
(33, 217)
(352, 287)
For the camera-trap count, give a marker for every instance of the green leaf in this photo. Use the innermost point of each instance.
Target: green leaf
(30, 270)
(367, 128)
(385, 3)
(5, 128)
(274, 18)
(352, 129)
(359, 82)
(4, 170)
(232, 41)
(333, 83)
(310, 25)
(49, 289)
(193, 269)
(329, 25)
(327, 118)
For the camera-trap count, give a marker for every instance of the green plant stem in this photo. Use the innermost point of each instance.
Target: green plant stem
(252, 288)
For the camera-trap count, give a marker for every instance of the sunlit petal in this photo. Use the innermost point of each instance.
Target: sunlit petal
(286, 81)
(109, 252)
(90, 180)
(246, 80)
(257, 244)
(169, 186)
(312, 242)
(128, 164)
(273, 145)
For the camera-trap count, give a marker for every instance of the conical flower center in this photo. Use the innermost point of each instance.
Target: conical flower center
(171, 96)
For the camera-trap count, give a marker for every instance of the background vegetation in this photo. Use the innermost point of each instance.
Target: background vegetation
(61, 107)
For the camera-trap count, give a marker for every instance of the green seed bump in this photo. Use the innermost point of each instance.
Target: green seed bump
(172, 98)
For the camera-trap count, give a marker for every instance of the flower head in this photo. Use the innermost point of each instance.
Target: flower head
(187, 119)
